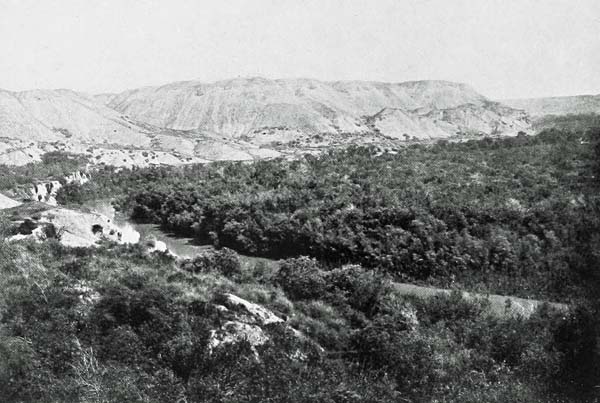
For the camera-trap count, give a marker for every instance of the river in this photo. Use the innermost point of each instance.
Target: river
(185, 248)
(179, 246)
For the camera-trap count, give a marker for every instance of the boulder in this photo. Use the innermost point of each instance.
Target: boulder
(234, 332)
(155, 245)
(243, 320)
(248, 312)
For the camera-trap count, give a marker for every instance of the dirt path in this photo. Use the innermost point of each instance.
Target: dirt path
(185, 248)
(500, 305)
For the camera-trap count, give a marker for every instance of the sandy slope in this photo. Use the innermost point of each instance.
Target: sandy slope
(241, 119)
(6, 202)
(65, 116)
(257, 106)
(537, 107)
(35, 122)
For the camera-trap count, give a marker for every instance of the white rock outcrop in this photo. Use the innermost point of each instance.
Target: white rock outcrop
(250, 312)
(78, 177)
(158, 246)
(45, 192)
(80, 229)
(244, 321)
(234, 332)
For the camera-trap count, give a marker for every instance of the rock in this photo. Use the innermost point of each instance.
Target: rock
(234, 332)
(46, 192)
(248, 312)
(247, 321)
(79, 229)
(78, 177)
(157, 246)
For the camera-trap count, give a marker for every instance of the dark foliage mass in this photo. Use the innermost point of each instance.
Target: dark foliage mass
(497, 215)
(515, 216)
(115, 324)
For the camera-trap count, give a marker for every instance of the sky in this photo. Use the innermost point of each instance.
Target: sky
(503, 48)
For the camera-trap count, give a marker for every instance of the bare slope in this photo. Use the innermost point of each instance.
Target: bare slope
(246, 107)
(241, 119)
(59, 115)
(38, 121)
(537, 107)
(427, 124)
(6, 202)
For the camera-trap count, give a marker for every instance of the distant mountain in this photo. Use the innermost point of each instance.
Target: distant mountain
(244, 118)
(463, 120)
(247, 107)
(537, 107)
(59, 115)
(38, 121)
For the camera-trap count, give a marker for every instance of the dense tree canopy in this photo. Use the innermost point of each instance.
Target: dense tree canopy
(513, 216)
(498, 215)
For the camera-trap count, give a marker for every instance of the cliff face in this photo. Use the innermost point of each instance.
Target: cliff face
(46, 191)
(77, 228)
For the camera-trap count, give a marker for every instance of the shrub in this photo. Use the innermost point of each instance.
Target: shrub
(27, 227)
(224, 261)
(576, 338)
(362, 289)
(51, 232)
(301, 278)
(18, 365)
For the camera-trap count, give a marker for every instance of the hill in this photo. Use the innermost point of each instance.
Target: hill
(242, 119)
(256, 108)
(463, 120)
(58, 115)
(537, 107)
(39, 121)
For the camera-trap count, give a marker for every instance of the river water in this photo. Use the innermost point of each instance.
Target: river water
(179, 246)
(184, 248)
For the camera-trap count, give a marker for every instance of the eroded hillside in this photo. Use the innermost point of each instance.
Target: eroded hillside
(242, 119)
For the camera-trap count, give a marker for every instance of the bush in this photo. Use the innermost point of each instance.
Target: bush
(301, 278)
(27, 227)
(576, 338)
(18, 367)
(361, 289)
(223, 261)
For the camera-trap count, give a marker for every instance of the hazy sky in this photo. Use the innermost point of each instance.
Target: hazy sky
(504, 48)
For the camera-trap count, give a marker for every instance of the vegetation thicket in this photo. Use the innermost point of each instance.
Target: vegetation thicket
(503, 216)
(515, 216)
